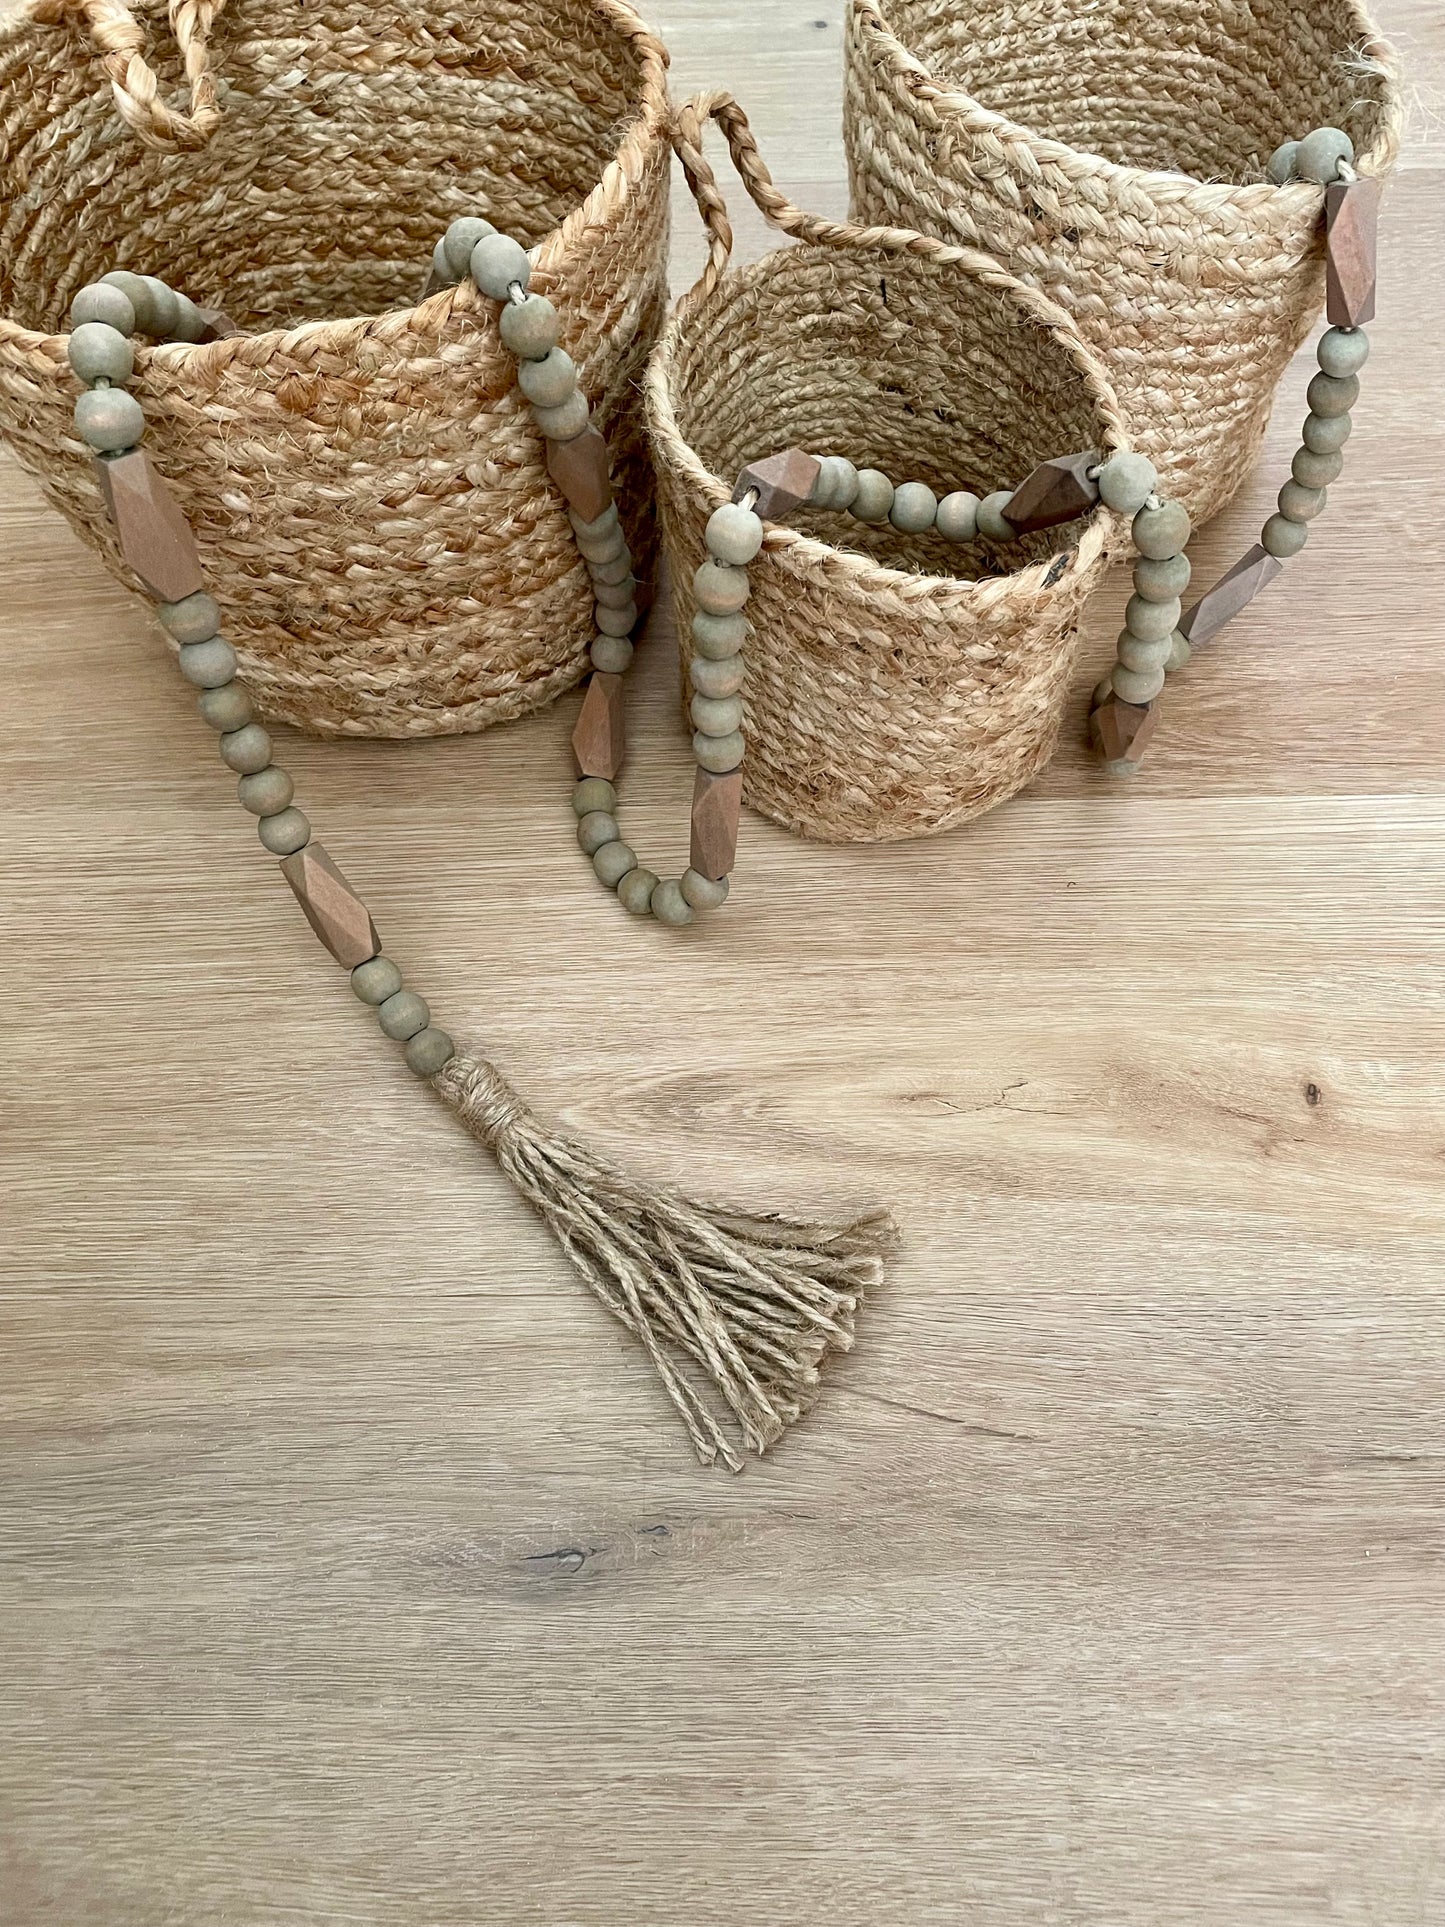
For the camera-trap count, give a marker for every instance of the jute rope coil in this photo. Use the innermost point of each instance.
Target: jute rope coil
(366, 486)
(1113, 156)
(896, 684)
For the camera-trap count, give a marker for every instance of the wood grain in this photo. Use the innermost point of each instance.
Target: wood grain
(351, 1569)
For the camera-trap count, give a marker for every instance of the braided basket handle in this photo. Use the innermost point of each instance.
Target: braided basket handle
(120, 40)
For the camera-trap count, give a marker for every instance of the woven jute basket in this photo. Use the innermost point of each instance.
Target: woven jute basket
(1113, 155)
(366, 486)
(896, 684)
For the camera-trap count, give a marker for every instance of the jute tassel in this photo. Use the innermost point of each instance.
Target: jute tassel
(751, 1306)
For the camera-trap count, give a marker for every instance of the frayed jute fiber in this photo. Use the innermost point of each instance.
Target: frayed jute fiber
(896, 684)
(366, 486)
(1112, 154)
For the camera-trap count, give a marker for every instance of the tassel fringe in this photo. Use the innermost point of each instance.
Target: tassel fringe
(750, 1307)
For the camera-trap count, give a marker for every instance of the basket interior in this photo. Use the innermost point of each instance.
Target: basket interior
(897, 363)
(1207, 88)
(351, 136)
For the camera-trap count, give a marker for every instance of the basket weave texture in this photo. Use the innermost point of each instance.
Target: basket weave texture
(895, 684)
(1113, 156)
(367, 489)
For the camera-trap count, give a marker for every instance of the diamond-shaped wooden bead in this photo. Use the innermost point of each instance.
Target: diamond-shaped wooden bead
(216, 324)
(1122, 730)
(716, 803)
(333, 909)
(1352, 212)
(1057, 491)
(1253, 571)
(580, 470)
(783, 483)
(155, 538)
(599, 741)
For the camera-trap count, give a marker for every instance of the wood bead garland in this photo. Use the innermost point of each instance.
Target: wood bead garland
(752, 1305)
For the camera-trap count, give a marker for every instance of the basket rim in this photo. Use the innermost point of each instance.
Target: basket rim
(949, 103)
(846, 568)
(646, 129)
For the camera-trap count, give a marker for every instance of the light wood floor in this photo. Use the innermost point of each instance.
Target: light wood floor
(352, 1568)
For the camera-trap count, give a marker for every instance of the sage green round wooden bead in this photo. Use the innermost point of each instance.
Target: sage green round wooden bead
(616, 622)
(1282, 538)
(612, 861)
(1321, 153)
(1162, 532)
(1126, 482)
(1343, 352)
(1329, 396)
(499, 264)
(594, 793)
(1316, 471)
(1164, 580)
(722, 676)
(266, 792)
(376, 980)
(1326, 434)
(565, 422)
(609, 574)
(914, 508)
(460, 240)
(635, 890)
(162, 309)
(837, 483)
(595, 829)
(403, 1014)
(703, 893)
(208, 664)
(550, 382)
(874, 497)
(669, 905)
(286, 832)
(719, 754)
(195, 618)
(596, 550)
(992, 522)
(1179, 652)
(1280, 167)
(133, 287)
(1145, 656)
(612, 655)
(1298, 504)
(109, 419)
(246, 750)
(600, 526)
(104, 304)
(441, 269)
(190, 322)
(957, 516)
(429, 1051)
(615, 595)
(717, 636)
(1151, 620)
(227, 708)
(716, 715)
(734, 534)
(530, 328)
(1136, 685)
(719, 589)
(98, 352)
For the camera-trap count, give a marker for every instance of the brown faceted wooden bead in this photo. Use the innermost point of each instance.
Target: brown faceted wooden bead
(333, 909)
(155, 538)
(1251, 573)
(599, 741)
(716, 803)
(1122, 730)
(580, 470)
(1352, 214)
(783, 483)
(1057, 491)
(216, 324)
